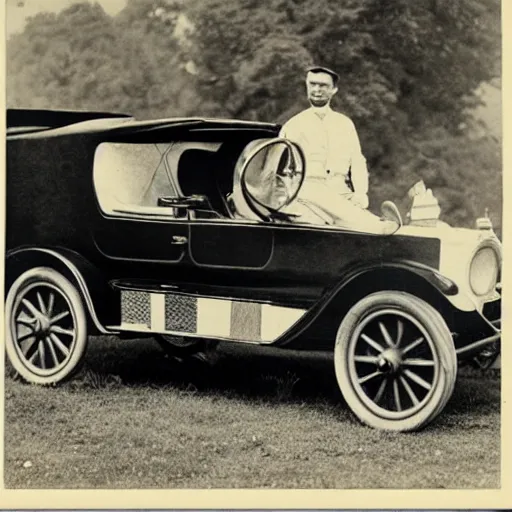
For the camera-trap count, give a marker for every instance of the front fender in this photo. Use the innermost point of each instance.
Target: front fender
(98, 296)
(317, 329)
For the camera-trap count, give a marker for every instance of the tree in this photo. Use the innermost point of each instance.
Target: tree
(61, 56)
(409, 75)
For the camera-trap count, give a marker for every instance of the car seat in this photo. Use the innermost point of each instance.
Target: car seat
(197, 176)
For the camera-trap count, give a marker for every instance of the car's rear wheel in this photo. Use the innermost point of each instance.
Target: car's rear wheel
(46, 331)
(180, 346)
(395, 361)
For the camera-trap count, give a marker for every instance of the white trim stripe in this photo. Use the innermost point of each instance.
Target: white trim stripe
(213, 317)
(157, 312)
(275, 320)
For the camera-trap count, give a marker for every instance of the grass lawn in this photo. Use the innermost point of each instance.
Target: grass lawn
(134, 419)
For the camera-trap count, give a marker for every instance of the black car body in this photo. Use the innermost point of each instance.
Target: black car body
(130, 227)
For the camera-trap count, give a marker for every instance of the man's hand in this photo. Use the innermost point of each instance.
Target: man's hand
(360, 200)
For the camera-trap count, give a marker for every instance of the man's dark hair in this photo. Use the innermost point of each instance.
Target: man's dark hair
(322, 69)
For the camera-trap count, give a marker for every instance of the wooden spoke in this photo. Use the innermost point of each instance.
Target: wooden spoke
(33, 356)
(399, 332)
(380, 392)
(396, 394)
(418, 362)
(366, 359)
(28, 346)
(26, 336)
(59, 330)
(27, 323)
(414, 344)
(52, 351)
(25, 319)
(386, 335)
(366, 378)
(409, 390)
(59, 317)
(40, 301)
(59, 344)
(42, 354)
(372, 343)
(416, 378)
(51, 302)
(30, 307)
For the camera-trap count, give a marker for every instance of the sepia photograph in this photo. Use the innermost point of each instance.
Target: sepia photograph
(253, 245)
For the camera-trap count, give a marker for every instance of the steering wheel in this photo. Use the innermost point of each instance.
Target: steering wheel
(182, 202)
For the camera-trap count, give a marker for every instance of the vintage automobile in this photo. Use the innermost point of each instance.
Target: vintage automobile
(187, 230)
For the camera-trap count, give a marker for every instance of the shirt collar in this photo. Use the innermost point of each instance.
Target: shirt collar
(321, 112)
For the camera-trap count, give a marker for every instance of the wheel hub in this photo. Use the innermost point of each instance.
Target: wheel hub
(389, 361)
(42, 327)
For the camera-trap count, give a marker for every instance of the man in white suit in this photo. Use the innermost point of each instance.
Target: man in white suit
(335, 166)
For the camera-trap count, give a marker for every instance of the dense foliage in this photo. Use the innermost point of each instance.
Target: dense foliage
(409, 70)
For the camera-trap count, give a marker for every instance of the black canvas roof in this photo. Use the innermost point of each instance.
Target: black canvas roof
(39, 123)
(54, 118)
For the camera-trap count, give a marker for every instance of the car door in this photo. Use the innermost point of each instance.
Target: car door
(235, 244)
(246, 242)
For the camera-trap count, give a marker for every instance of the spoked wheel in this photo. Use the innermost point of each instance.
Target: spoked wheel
(395, 361)
(46, 331)
(180, 346)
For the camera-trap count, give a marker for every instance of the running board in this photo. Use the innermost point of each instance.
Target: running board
(134, 328)
(180, 314)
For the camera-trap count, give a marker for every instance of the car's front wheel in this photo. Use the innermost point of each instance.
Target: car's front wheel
(395, 361)
(46, 331)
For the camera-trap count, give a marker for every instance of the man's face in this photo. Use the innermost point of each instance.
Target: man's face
(320, 88)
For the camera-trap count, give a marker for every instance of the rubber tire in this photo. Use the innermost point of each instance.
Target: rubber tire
(47, 275)
(433, 323)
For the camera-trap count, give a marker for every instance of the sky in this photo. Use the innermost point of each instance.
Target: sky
(17, 11)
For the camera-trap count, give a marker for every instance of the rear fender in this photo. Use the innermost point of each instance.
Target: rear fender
(99, 298)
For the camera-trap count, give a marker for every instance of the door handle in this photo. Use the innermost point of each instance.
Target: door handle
(179, 240)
